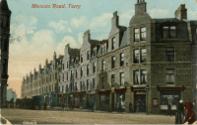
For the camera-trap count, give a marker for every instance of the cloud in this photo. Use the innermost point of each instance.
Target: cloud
(192, 15)
(100, 21)
(33, 47)
(161, 13)
(21, 27)
(78, 22)
(60, 26)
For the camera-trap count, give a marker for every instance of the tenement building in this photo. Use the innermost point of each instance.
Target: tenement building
(44, 81)
(5, 14)
(144, 67)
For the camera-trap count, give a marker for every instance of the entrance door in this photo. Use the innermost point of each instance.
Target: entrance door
(140, 103)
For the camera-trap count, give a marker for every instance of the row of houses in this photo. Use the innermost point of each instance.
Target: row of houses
(143, 67)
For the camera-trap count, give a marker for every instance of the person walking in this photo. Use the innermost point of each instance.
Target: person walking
(179, 113)
(190, 117)
(169, 109)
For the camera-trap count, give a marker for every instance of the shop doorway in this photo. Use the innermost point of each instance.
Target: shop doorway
(140, 102)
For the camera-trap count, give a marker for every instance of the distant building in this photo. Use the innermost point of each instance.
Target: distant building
(143, 68)
(5, 14)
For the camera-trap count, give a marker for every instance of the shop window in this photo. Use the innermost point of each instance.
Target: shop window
(167, 98)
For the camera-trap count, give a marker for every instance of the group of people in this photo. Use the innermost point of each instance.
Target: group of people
(185, 113)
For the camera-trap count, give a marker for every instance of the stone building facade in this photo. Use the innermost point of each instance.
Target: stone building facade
(44, 81)
(140, 68)
(5, 15)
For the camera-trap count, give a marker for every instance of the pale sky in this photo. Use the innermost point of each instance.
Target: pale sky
(37, 33)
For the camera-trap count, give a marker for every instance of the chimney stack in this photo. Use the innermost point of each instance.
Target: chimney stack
(181, 12)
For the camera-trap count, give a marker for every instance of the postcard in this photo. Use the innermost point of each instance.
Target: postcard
(98, 61)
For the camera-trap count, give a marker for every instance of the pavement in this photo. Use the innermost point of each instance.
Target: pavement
(21, 116)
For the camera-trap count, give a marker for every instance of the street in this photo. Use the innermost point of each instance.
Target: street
(19, 116)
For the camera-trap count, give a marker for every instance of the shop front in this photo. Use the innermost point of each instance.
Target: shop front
(104, 100)
(169, 97)
(140, 103)
(119, 99)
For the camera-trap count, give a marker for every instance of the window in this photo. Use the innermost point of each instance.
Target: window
(136, 56)
(170, 76)
(169, 31)
(113, 79)
(165, 31)
(140, 55)
(172, 32)
(136, 35)
(113, 43)
(93, 83)
(144, 79)
(67, 76)
(81, 59)
(143, 34)
(136, 76)
(67, 64)
(87, 84)
(94, 67)
(143, 55)
(87, 70)
(121, 59)
(140, 76)
(81, 72)
(122, 80)
(172, 98)
(170, 54)
(81, 86)
(113, 62)
(88, 55)
(103, 65)
(76, 74)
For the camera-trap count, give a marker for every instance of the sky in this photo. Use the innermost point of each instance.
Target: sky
(37, 33)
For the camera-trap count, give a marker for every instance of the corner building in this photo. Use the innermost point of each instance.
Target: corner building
(140, 68)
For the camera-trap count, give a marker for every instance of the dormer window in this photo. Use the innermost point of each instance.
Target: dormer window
(113, 43)
(169, 32)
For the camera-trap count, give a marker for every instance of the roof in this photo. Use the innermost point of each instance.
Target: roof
(125, 40)
(4, 5)
(162, 20)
